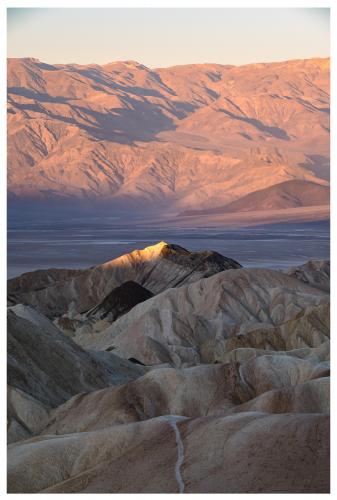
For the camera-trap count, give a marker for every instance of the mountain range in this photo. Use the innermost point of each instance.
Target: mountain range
(167, 140)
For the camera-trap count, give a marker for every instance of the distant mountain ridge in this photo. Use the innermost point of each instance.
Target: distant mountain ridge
(289, 194)
(187, 137)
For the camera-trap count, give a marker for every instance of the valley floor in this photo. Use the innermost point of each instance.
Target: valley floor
(35, 242)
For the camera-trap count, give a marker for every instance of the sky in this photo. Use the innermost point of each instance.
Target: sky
(160, 37)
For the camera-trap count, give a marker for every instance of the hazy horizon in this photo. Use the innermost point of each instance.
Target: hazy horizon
(214, 35)
(205, 63)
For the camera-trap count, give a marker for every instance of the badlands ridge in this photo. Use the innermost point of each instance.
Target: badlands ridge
(169, 371)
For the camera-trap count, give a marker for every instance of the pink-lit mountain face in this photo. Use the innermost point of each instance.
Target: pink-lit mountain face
(182, 138)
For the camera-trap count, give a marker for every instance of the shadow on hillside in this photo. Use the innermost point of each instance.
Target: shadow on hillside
(139, 120)
(108, 81)
(318, 164)
(277, 132)
(30, 94)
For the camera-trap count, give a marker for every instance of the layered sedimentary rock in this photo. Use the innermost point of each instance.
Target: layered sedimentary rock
(190, 390)
(50, 367)
(156, 268)
(164, 455)
(45, 368)
(119, 301)
(26, 415)
(194, 323)
(314, 272)
(262, 384)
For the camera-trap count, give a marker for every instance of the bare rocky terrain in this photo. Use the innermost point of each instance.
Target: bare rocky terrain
(194, 137)
(156, 268)
(167, 371)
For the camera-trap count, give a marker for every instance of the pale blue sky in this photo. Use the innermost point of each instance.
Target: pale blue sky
(165, 37)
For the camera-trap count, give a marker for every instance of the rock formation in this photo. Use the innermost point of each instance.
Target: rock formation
(119, 301)
(189, 390)
(316, 273)
(238, 455)
(193, 324)
(155, 268)
(45, 368)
